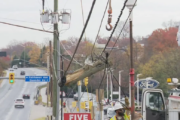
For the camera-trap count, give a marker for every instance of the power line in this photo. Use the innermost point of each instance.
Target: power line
(115, 26)
(100, 26)
(27, 27)
(81, 35)
(19, 20)
(70, 55)
(123, 26)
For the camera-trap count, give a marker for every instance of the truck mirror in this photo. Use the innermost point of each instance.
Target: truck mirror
(153, 104)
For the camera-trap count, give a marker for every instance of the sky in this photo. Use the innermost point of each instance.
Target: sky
(148, 16)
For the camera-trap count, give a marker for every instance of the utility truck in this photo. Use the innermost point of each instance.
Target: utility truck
(154, 106)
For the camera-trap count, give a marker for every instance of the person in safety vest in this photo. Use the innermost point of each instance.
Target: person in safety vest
(120, 113)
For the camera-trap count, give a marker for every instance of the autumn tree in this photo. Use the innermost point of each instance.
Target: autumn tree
(161, 40)
(34, 55)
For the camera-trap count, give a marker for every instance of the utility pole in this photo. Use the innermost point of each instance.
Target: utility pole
(132, 67)
(62, 73)
(56, 62)
(51, 80)
(130, 5)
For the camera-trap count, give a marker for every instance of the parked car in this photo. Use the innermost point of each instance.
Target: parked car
(19, 102)
(10, 69)
(22, 72)
(15, 66)
(26, 96)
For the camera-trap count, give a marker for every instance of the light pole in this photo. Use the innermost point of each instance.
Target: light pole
(120, 85)
(138, 89)
(130, 5)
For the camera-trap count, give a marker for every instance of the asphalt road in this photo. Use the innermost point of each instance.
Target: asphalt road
(8, 93)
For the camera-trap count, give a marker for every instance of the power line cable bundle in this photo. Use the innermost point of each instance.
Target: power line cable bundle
(115, 26)
(81, 34)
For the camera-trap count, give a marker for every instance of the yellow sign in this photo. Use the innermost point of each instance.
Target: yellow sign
(79, 83)
(169, 80)
(74, 104)
(11, 78)
(90, 105)
(77, 109)
(86, 81)
(83, 105)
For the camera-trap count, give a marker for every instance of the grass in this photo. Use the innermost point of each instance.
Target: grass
(42, 118)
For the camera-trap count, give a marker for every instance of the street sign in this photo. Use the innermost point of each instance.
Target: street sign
(77, 116)
(151, 83)
(37, 79)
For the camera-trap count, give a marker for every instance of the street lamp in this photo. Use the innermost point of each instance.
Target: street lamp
(130, 5)
(138, 89)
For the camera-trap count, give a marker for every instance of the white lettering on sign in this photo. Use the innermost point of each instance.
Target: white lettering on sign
(85, 117)
(78, 117)
(70, 117)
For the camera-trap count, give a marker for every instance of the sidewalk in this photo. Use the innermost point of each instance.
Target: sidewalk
(43, 94)
(37, 111)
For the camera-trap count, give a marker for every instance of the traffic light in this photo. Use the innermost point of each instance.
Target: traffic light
(86, 81)
(11, 78)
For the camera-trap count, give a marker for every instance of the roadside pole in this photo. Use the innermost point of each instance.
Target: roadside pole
(79, 95)
(58, 78)
(62, 73)
(51, 76)
(47, 84)
(56, 61)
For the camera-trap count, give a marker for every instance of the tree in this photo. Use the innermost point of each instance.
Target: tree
(162, 66)
(15, 61)
(24, 58)
(34, 55)
(162, 39)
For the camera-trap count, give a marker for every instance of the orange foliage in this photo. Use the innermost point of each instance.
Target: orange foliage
(163, 39)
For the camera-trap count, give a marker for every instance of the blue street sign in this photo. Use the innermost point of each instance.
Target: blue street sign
(151, 83)
(37, 79)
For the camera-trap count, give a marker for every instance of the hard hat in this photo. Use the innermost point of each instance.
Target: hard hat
(117, 107)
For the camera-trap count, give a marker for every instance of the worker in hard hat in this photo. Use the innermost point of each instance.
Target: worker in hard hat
(120, 113)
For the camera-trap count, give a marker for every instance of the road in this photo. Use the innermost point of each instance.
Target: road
(8, 93)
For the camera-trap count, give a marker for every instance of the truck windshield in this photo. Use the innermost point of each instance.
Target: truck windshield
(154, 101)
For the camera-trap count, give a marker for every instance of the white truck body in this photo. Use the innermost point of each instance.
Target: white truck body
(155, 108)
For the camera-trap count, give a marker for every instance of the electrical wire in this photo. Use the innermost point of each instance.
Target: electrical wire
(123, 26)
(19, 20)
(100, 27)
(68, 52)
(81, 34)
(115, 26)
(26, 27)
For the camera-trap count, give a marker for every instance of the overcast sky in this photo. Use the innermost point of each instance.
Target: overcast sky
(148, 15)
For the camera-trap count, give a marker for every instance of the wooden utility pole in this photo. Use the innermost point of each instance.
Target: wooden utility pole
(99, 98)
(51, 74)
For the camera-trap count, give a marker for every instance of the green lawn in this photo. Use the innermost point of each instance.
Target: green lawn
(42, 118)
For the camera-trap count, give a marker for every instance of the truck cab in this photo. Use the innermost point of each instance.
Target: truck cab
(153, 105)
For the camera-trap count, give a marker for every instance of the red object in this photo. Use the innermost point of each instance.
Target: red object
(132, 84)
(77, 116)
